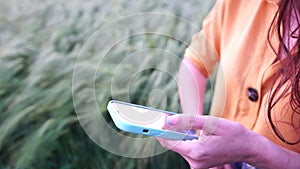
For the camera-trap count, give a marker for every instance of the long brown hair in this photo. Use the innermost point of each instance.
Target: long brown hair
(286, 27)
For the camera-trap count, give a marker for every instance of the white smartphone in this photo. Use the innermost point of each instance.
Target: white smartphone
(144, 120)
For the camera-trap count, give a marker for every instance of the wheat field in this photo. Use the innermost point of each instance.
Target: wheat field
(49, 52)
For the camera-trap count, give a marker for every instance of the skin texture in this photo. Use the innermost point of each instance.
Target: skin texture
(222, 141)
(191, 88)
(216, 146)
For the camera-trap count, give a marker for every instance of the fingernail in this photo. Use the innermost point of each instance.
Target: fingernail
(171, 121)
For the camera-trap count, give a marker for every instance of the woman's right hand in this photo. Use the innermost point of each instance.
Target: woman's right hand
(222, 141)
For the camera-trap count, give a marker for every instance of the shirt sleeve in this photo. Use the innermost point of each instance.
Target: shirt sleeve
(204, 50)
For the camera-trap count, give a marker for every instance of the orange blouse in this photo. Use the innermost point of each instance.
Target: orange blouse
(234, 34)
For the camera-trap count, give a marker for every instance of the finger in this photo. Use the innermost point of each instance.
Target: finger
(186, 121)
(208, 124)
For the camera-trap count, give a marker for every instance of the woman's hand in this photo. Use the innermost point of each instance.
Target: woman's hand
(221, 142)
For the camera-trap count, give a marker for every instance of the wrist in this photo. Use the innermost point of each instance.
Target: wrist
(257, 149)
(265, 154)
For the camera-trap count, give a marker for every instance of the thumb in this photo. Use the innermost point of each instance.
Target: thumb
(186, 121)
(208, 124)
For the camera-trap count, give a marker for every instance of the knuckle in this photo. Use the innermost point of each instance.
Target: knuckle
(191, 121)
(238, 126)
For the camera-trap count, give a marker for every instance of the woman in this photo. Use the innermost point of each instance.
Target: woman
(257, 93)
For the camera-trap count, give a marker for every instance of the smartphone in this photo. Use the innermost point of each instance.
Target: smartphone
(144, 120)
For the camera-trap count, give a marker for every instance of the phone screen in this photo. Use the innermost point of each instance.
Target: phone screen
(142, 116)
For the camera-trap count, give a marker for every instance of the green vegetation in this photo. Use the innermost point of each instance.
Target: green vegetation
(39, 44)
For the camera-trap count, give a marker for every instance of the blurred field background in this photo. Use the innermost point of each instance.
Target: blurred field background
(39, 44)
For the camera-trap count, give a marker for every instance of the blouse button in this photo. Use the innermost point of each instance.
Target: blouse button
(252, 94)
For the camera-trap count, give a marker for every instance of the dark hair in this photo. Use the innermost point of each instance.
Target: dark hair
(286, 27)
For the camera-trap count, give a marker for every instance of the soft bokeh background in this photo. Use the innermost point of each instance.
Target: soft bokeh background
(39, 44)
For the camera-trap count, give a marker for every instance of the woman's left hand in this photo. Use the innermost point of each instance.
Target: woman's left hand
(221, 142)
